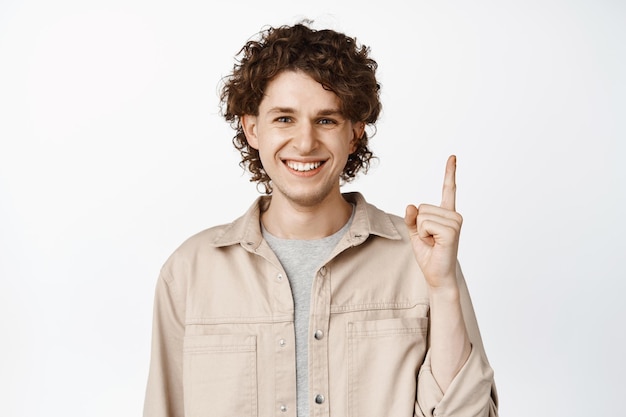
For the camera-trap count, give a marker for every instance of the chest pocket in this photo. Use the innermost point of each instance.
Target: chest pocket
(383, 360)
(220, 375)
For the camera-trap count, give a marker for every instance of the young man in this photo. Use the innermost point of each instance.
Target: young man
(315, 302)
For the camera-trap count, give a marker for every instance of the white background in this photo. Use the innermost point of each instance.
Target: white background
(113, 152)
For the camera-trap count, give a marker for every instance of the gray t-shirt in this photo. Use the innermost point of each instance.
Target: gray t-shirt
(301, 259)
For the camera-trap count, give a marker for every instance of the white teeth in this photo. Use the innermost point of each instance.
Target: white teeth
(303, 166)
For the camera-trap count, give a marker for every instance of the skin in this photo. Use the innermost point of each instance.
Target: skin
(434, 232)
(299, 122)
(304, 142)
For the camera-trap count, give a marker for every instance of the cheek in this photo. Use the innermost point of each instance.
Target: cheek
(268, 147)
(263, 156)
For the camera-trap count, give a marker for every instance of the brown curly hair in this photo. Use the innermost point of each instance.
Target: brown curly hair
(331, 58)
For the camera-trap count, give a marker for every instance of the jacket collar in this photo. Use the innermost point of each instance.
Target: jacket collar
(368, 220)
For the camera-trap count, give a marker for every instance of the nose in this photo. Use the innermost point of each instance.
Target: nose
(305, 138)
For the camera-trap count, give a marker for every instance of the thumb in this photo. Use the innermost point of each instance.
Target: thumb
(410, 218)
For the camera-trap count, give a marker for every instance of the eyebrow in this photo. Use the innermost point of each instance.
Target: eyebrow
(330, 112)
(281, 110)
(290, 110)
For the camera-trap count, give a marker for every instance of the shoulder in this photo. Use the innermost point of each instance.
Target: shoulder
(199, 245)
(213, 240)
(203, 240)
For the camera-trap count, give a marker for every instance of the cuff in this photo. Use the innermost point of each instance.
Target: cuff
(469, 394)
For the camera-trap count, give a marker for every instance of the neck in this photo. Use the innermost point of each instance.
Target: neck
(287, 220)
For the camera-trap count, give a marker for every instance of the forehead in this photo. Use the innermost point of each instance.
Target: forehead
(297, 89)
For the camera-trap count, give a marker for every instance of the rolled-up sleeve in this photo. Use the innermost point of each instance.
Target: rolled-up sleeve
(472, 393)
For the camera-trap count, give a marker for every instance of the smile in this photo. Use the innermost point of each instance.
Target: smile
(303, 166)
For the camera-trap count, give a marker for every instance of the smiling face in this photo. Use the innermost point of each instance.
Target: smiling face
(303, 139)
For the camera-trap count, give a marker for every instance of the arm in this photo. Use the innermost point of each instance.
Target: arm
(435, 238)
(472, 392)
(449, 342)
(164, 393)
(455, 363)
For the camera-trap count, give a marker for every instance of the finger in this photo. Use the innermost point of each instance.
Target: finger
(436, 229)
(428, 209)
(448, 196)
(451, 222)
(410, 218)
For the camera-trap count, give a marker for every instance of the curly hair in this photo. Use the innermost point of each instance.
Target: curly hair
(331, 58)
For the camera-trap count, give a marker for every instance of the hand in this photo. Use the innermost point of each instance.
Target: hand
(434, 233)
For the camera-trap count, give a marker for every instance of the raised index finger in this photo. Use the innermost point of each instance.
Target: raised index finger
(448, 196)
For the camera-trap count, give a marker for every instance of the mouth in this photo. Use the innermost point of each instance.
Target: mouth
(303, 167)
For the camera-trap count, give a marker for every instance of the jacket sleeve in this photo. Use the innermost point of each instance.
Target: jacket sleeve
(473, 391)
(164, 392)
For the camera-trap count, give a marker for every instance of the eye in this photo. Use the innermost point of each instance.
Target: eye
(283, 119)
(326, 121)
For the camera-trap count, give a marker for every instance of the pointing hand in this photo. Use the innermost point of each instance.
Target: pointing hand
(434, 233)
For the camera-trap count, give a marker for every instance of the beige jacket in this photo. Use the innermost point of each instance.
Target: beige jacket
(224, 340)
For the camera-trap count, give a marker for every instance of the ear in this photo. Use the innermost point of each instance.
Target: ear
(358, 128)
(249, 125)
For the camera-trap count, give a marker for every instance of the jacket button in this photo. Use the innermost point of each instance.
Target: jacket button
(319, 335)
(279, 277)
(319, 399)
(282, 342)
(283, 408)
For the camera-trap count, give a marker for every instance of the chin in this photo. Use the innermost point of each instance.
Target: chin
(307, 198)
